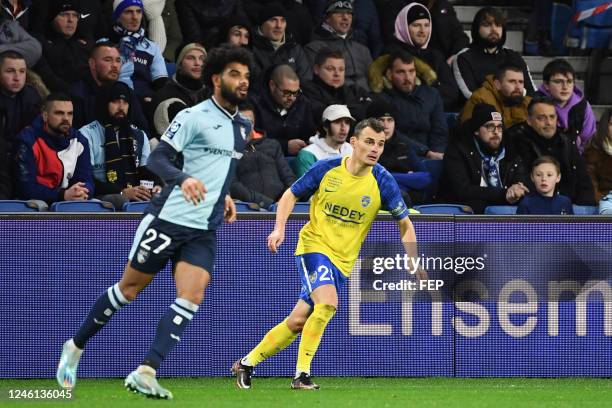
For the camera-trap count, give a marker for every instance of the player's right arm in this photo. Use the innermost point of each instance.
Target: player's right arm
(284, 209)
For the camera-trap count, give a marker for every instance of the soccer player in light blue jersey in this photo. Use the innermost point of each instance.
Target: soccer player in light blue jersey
(196, 158)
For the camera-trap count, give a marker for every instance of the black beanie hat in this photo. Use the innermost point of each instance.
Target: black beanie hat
(273, 10)
(381, 108)
(417, 12)
(482, 114)
(59, 6)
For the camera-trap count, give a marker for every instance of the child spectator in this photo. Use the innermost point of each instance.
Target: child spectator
(545, 174)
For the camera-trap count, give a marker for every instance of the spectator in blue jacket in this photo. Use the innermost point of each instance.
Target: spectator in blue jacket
(52, 157)
(143, 69)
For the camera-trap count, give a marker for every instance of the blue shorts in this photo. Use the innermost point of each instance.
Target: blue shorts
(316, 270)
(156, 241)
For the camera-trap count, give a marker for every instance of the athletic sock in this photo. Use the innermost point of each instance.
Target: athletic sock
(169, 331)
(311, 335)
(100, 313)
(276, 340)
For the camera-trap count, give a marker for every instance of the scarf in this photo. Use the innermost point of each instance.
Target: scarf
(129, 40)
(329, 28)
(490, 166)
(121, 159)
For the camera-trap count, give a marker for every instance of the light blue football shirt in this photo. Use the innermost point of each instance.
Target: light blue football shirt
(211, 141)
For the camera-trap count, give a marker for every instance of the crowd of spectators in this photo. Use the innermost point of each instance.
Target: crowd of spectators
(87, 88)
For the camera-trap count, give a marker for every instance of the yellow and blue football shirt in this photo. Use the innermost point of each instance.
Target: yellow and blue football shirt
(343, 208)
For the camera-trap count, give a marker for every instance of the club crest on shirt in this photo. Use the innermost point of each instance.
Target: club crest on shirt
(312, 277)
(365, 201)
(171, 131)
(111, 176)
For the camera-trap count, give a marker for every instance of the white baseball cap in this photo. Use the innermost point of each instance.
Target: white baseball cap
(335, 112)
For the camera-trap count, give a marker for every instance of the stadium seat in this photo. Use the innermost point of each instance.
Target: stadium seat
(135, 206)
(456, 209)
(500, 210)
(417, 180)
(17, 206)
(585, 209)
(301, 208)
(170, 68)
(82, 206)
(244, 207)
(434, 167)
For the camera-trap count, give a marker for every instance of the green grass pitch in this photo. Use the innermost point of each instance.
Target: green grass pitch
(334, 392)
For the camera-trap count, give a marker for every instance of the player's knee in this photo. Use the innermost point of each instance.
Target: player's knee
(195, 296)
(296, 323)
(324, 311)
(129, 291)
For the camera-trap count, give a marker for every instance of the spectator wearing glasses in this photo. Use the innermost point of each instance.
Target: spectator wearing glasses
(574, 113)
(480, 169)
(282, 111)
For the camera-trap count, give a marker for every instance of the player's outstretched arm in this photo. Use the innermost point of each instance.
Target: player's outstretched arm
(409, 241)
(284, 209)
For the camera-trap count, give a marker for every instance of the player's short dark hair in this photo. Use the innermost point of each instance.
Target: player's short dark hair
(547, 160)
(500, 72)
(372, 123)
(218, 58)
(56, 97)
(402, 55)
(537, 100)
(10, 54)
(325, 53)
(557, 66)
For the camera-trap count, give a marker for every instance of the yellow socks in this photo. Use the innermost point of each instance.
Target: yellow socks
(277, 339)
(311, 335)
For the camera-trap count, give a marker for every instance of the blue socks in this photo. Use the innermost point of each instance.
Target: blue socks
(102, 310)
(169, 331)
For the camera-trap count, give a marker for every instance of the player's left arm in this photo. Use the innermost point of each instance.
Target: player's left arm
(409, 241)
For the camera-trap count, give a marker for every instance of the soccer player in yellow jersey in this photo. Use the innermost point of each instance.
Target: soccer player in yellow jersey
(347, 194)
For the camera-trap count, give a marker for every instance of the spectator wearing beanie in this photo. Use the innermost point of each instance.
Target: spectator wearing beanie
(299, 18)
(480, 168)
(273, 45)
(184, 89)
(65, 52)
(448, 38)
(413, 30)
(92, 24)
(398, 156)
(143, 68)
(336, 32)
